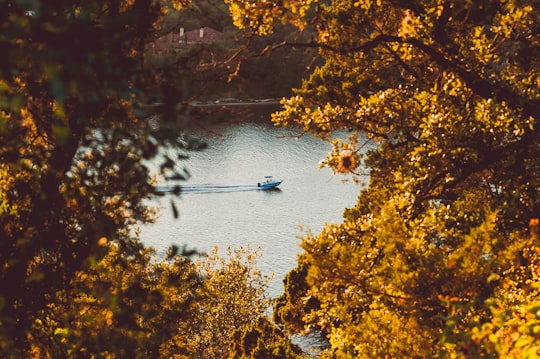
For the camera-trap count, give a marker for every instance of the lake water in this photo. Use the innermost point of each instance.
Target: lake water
(240, 154)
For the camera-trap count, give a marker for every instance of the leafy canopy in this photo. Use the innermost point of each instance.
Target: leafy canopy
(439, 250)
(129, 305)
(74, 134)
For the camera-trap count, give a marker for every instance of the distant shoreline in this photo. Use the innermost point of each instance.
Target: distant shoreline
(235, 102)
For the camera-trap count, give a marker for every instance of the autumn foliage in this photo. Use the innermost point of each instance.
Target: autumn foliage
(81, 116)
(439, 256)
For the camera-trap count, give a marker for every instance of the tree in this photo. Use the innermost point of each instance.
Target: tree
(262, 340)
(125, 305)
(75, 131)
(82, 113)
(130, 305)
(232, 296)
(448, 95)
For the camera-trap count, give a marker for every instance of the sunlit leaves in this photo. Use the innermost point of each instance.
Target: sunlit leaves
(127, 304)
(262, 16)
(511, 326)
(232, 295)
(379, 273)
(367, 4)
(450, 92)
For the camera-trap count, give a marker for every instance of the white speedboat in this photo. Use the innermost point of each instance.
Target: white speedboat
(269, 182)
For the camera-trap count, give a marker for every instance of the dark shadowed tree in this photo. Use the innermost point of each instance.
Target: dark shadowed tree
(74, 133)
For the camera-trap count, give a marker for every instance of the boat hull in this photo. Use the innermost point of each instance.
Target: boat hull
(268, 185)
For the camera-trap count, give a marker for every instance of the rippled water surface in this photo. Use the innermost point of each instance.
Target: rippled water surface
(223, 207)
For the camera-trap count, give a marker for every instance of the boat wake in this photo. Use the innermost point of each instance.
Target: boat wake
(207, 188)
